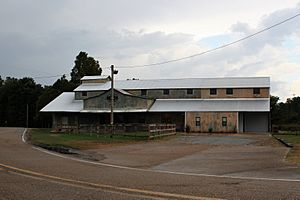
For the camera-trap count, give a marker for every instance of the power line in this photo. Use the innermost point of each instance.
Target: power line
(213, 49)
(54, 76)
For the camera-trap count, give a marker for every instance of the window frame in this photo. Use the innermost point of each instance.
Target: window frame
(224, 121)
(213, 93)
(189, 91)
(166, 91)
(227, 91)
(198, 121)
(256, 91)
(144, 92)
(84, 93)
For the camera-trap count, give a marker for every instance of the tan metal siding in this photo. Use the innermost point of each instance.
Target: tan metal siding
(212, 120)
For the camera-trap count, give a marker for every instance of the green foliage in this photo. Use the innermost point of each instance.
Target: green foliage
(84, 66)
(15, 95)
(1, 81)
(285, 113)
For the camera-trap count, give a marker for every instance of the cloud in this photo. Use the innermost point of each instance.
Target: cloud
(43, 38)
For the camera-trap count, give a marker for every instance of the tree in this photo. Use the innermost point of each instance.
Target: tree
(274, 106)
(84, 66)
(15, 95)
(1, 81)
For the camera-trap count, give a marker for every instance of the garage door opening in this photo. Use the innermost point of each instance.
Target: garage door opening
(254, 122)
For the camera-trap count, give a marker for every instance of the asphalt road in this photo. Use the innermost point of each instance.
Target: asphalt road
(28, 173)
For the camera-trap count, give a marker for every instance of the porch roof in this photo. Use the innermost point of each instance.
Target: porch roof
(64, 103)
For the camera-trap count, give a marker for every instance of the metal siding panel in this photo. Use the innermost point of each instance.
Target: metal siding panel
(208, 105)
(256, 122)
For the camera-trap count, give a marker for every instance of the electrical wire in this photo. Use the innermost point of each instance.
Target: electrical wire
(193, 55)
(213, 49)
(54, 76)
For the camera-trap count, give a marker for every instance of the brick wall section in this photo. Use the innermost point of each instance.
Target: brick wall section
(212, 120)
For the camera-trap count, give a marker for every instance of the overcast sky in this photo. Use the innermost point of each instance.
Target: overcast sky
(42, 38)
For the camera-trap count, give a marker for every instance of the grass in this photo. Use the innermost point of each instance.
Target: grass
(292, 138)
(81, 141)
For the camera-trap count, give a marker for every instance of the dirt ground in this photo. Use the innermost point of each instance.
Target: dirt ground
(152, 153)
(143, 154)
(257, 155)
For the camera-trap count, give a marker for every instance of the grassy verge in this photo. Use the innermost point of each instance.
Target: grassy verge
(293, 139)
(44, 137)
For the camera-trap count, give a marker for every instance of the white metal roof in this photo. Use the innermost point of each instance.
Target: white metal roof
(213, 105)
(115, 111)
(227, 82)
(93, 77)
(64, 103)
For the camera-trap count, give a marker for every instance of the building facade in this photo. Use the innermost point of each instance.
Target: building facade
(239, 104)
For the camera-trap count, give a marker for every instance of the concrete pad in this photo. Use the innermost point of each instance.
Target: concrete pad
(252, 155)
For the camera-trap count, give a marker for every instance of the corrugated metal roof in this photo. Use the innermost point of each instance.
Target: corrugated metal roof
(227, 82)
(211, 105)
(115, 111)
(64, 103)
(93, 77)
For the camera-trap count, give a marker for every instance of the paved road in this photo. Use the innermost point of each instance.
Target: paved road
(27, 173)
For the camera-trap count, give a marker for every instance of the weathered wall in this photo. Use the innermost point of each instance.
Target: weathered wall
(78, 95)
(166, 118)
(175, 93)
(122, 101)
(212, 120)
(65, 121)
(237, 93)
(182, 93)
(104, 80)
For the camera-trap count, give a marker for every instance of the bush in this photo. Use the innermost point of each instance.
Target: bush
(289, 127)
(187, 128)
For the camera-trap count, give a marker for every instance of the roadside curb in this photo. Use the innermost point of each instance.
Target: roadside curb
(283, 142)
(24, 137)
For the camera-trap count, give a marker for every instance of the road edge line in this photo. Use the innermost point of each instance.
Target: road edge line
(104, 186)
(163, 171)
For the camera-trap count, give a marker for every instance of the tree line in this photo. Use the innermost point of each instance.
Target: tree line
(22, 97)
(285, 114)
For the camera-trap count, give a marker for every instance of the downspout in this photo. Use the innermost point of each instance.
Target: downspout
(184, 128)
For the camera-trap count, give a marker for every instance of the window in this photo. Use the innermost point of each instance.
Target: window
(198, 120)
(229, 91)
(64, 120)
(256, 90)
(166, 92)
(213, 91)
(224, 121)
(190, 91)
(84, 93)
(143, 92)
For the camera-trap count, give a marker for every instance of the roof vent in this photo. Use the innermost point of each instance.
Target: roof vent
(95, 79)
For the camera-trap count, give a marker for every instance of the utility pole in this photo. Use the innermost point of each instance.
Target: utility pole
(112, 99)
(27, 114)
